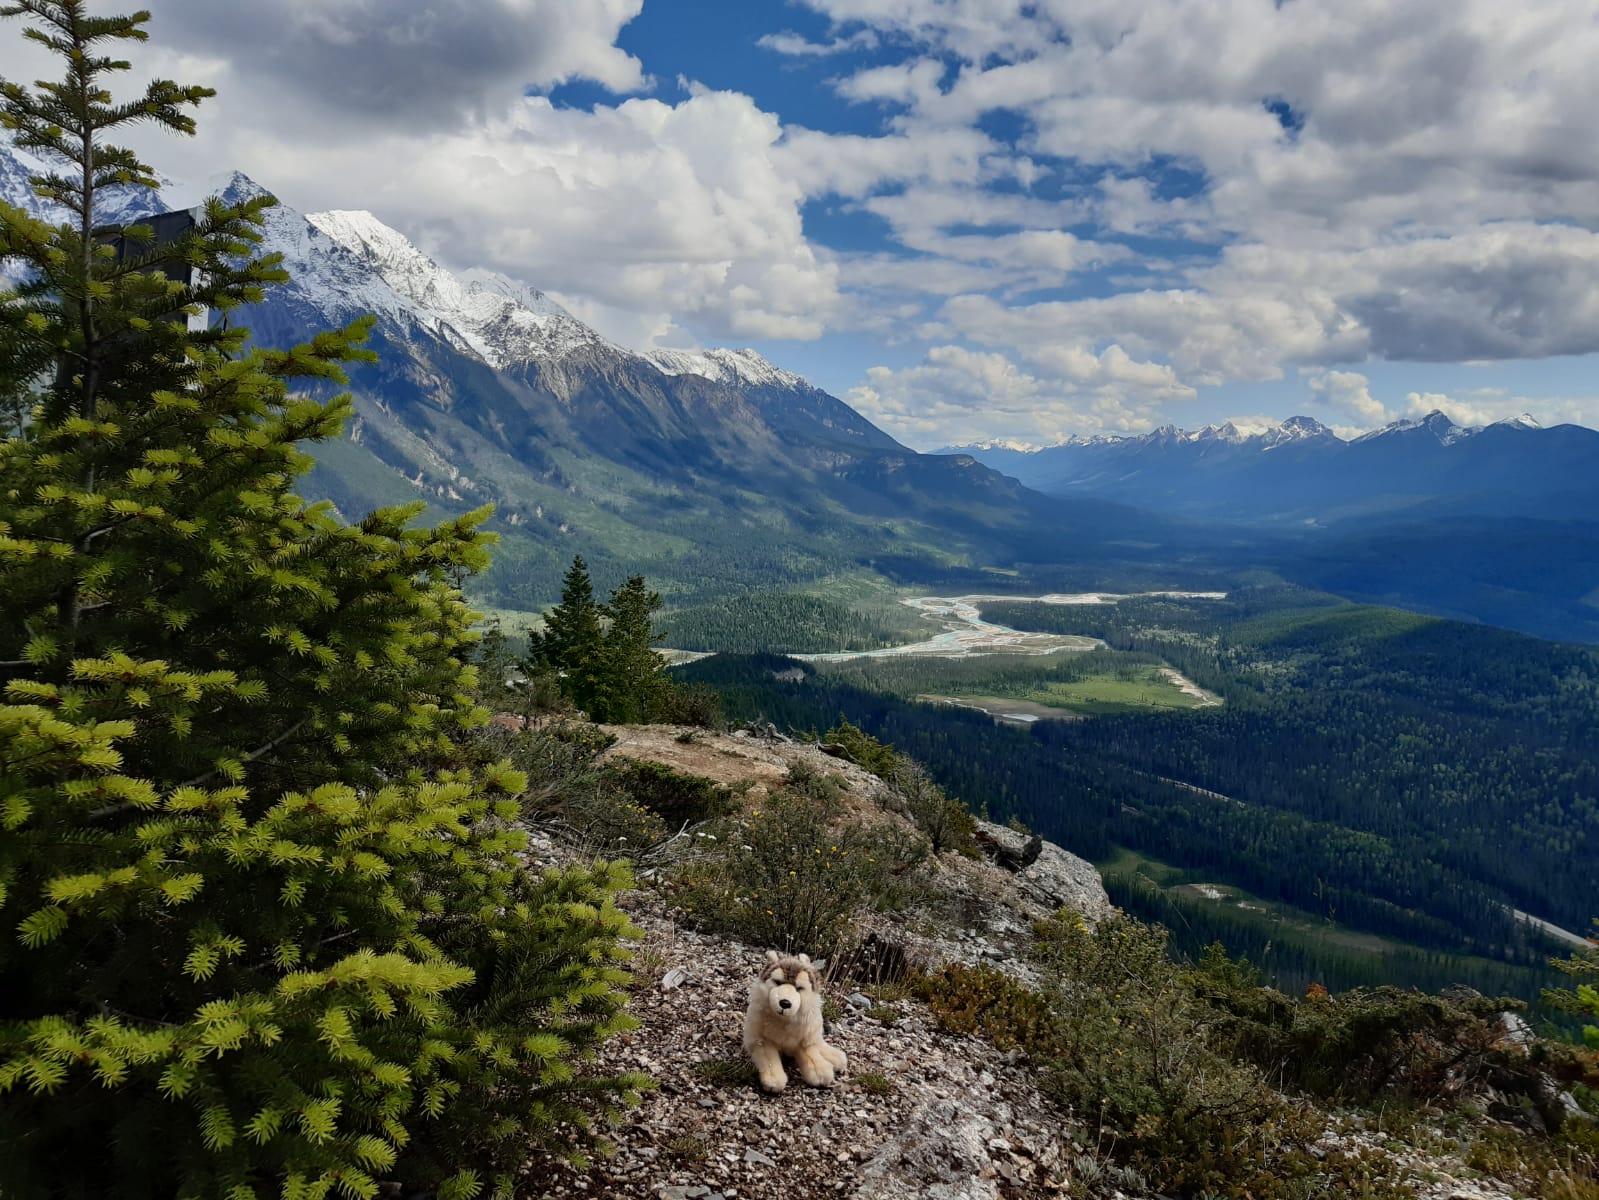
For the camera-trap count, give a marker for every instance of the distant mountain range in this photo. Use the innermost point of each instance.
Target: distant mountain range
(715, 471)
(1300, 472)
(1495, 524)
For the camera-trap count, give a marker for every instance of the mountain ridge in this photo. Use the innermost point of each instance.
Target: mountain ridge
(707, 469)
(1300, 471)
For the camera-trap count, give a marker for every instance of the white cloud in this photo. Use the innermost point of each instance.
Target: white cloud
(798, 46)
(956, 395)
(1347, 393)
(668, 210)
(433, 63)
(857, 165)
(1395, 182)
(656, 220)
(1428, 195)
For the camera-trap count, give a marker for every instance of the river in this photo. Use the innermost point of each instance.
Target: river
(967, 635)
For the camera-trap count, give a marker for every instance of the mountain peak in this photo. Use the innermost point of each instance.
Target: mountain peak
(724, 366)
(405, 267)
(1523, 421)
(502, 320)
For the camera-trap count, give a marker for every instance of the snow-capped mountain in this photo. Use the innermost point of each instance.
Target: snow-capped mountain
(724, 366)
(505, 322)
(705, 467)
(1299, 470)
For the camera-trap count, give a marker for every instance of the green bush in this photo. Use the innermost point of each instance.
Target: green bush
(792, 876)
(689, 704)
(1357, 1046)
(946, 822)
(1119, 1036)
(862, 749)
(1582, 966)
(265, 928)
(676, 797)
(572, 793)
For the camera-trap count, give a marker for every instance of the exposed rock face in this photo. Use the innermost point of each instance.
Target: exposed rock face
(957, 1150)
(1047, 877)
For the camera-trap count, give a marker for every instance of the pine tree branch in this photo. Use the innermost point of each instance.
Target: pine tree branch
(112, 810)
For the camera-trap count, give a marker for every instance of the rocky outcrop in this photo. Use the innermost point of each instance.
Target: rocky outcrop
(955, 1149)
(1047, 877)
(918, 1112)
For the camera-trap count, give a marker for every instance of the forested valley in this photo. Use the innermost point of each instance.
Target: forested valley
(783, 623)
(1406, 777)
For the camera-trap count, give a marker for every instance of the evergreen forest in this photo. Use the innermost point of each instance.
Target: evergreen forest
(1405, 777)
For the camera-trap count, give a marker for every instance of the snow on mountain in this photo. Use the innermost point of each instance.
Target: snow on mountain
(345, 263)
(1000, 444)
(1437, 423)
(505, 322)
(1524, 421)
(724, 366)
(116, 205)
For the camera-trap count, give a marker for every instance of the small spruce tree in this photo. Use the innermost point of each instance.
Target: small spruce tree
(569, 645)
(262, 927)
(632, 687)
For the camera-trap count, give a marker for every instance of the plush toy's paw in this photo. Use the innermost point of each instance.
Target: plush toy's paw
(837, 1057)
(774, 1083)
(816, 1070)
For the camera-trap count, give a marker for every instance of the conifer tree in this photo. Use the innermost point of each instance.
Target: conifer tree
(631, 685)
(262, 928)
(571, 641)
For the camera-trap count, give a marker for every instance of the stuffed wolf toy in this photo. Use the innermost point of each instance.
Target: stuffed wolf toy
(785, 1017)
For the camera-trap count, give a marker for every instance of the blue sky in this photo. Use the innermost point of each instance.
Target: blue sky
(974, 219)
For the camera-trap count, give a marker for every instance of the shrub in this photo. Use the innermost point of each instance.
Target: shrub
(727, 1072)
(688, 1148)
(559, 762)
(571, 792)
(791, 876)
(689, 704)
(1118, 1035)
(946, 822)
(875, 1083)
(676, 797)
(1357, 1046)
(983, 1001)
(1584, 997)
(804, 779)
(862, 749)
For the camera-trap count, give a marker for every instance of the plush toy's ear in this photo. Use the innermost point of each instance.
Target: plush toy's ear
(805, 960)
(771, 956)
(819, 965)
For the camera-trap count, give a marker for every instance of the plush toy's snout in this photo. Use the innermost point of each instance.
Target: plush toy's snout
(785, 999)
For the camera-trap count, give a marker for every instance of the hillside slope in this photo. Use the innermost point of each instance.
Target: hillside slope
(924, 1108)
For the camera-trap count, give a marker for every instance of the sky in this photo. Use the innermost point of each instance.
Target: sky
(971, 219)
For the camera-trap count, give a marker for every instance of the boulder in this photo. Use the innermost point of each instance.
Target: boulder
(1047, 878)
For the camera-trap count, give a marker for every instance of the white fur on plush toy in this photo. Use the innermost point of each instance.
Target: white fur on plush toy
(785, 1017)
